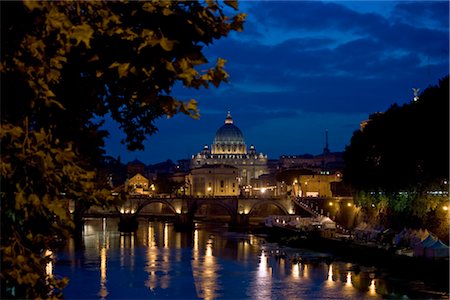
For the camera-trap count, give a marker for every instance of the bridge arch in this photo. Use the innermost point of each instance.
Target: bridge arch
(199, 203)
(274, 203)
(151, 201)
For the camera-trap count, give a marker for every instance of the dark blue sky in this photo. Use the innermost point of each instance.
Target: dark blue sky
(300, 67)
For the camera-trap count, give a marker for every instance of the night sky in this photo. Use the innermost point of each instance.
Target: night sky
(299, 68)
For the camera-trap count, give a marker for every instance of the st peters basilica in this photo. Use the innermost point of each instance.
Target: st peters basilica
(228, 150)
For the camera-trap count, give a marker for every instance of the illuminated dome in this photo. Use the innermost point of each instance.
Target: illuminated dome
(229, 139)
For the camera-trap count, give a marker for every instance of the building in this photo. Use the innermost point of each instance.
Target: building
(214, 180)
(229, 148)
(138, 184)
(317, 185)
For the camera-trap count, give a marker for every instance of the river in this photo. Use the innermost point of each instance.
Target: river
(157, 262)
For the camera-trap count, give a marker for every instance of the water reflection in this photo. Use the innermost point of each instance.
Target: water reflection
(330, 273)
(103, 245)
(208, 263)
(372, 289)
(158, 259)
(262, 285)
(348, 282)
(205, 269)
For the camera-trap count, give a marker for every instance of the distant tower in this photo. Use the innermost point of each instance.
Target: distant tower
(326, 150)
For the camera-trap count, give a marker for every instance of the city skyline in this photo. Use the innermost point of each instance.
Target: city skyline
(300, 68)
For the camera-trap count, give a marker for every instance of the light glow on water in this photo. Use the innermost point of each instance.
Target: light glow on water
(330, 273)
(349, 279)
(295, 271)
(103, 289)
(159, 263)
(372, 288)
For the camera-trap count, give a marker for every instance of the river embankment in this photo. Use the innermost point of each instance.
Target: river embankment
(385, 260)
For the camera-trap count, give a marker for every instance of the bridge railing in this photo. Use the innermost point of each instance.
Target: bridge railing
(299, 201)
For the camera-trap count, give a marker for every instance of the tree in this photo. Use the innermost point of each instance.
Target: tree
(65, 65)
(401, 155)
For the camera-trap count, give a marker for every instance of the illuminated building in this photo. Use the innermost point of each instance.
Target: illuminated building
(138, 184)
(229, 148)
(215, 180)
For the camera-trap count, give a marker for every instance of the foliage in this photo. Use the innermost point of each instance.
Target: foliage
(401, 155)
(64, 65)
(404, 148)
(35, 213)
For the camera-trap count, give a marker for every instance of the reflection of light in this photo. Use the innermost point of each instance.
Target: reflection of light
(295, 270)
(330, 203)
(263, 190)
(262, 268)
(195, 239)
(166, 236)
(349, 279)
(49, 266)
(305, 271)
(262, 287)
(88, 229)
(372, 287)
(349, 204)
(150, 236)
(151, 283)
(445, 207)
(208, 252)
(103, 290)
(330, 273)
(205, 270)
(122, 250)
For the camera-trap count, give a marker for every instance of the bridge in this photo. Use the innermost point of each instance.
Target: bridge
(237, 210)
(183, 209)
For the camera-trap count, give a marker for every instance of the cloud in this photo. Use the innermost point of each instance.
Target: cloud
(300, 67)
(434, 14)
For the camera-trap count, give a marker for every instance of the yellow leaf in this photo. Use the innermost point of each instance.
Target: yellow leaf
(166, 11)
(169, 67)
(232, 3)
(221, 62)
(148, 7)
(166, 44)
(83, 33)
(123, 69)
(31, 5)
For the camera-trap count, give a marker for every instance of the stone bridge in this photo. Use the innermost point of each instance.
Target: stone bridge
(184, 208)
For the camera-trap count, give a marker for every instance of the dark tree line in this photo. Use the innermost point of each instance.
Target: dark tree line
(401, 156)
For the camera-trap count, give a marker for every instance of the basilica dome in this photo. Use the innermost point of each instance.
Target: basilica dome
(229, 139)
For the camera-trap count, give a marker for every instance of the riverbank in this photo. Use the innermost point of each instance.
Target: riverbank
(431, 271)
